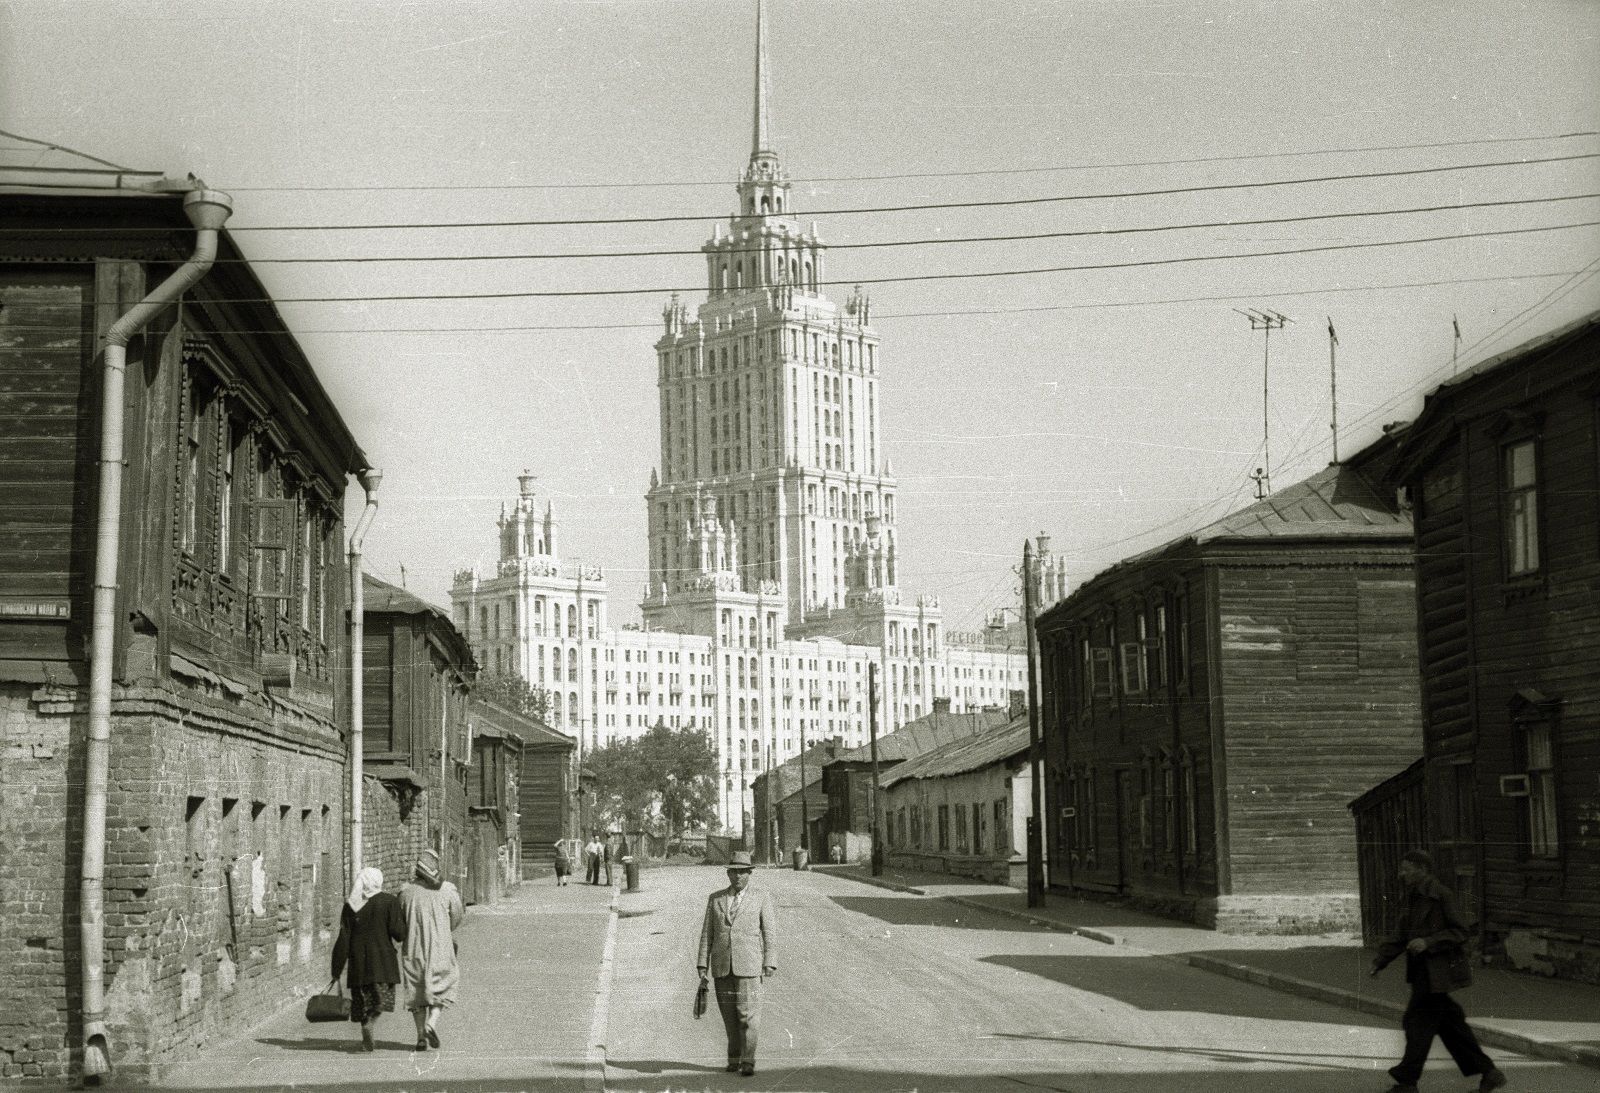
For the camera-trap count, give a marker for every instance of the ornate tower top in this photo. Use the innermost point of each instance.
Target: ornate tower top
(760, 145)
(764, 187)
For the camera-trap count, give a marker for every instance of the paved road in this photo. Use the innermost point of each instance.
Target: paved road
(529, 971)
(878, 991)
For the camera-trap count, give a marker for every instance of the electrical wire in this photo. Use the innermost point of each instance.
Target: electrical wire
(892, 315)
(908, 175)
(922, 242)
(877, 210)
(908, 278)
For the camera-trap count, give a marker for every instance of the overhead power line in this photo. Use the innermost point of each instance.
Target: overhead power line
(908, 175)
(921, 242)
(966, 276)
(1053, 199)
(953, 313)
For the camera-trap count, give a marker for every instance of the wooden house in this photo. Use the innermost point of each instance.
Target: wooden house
(963, 807)
(215, 510)
(494, 797)
(1210, 706)
(548, 794)
(416, 746)
(1503, 468)
(847, 778)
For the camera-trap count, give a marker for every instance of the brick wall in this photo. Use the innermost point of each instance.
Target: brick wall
(224, 871)
(38, 960)
(392, 836)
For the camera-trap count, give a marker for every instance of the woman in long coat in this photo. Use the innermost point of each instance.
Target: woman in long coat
(369, 925)
(428, 969)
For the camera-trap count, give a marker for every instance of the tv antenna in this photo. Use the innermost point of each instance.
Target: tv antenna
(1267, 322)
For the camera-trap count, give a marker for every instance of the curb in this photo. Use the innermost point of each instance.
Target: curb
(1088, 932)
(875, 882)
(1488, 1034)
(594, 1064)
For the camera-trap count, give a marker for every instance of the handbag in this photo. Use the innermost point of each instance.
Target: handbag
(701, 999)
(330, 1005)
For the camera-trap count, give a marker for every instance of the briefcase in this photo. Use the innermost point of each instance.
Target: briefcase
(330, 1005)
(700, 999)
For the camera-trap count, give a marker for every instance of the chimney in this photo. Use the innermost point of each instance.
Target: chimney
(941, 704)
(1019, 705)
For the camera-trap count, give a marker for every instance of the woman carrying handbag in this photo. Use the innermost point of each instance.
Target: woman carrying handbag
(369, 926)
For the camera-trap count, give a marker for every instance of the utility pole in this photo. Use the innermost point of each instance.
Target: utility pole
(805, 811)
(1266, 321)
(1333, 383)
(1035, 832)
(876, 802)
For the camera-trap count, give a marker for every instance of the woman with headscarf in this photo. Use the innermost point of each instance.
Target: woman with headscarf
(369, 925)
(428, 970)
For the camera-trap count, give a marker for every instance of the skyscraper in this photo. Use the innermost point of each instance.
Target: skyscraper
(773, 582)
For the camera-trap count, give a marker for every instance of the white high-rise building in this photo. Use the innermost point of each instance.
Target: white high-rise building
(773, 577)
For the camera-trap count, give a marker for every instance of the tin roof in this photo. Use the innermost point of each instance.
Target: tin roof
(996, 745)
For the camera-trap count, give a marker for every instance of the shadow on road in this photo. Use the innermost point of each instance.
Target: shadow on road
(1113, 977)
(628, 1077)
(900, 911)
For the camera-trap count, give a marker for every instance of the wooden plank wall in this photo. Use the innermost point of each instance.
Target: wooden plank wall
(1320, 685)
(1541, 633)
(544, 800)
(48, 445)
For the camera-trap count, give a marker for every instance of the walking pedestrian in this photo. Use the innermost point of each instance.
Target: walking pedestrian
(1433, 938)
(429, 973)
(563, 864)
(739, 950)
(591, 855)
(370, 923)
(606, 856)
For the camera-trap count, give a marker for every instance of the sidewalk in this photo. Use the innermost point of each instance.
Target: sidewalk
(530, 968)
(1546, 1018)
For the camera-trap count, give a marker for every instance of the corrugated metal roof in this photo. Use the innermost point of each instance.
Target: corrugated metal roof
(928, 732)
(1337, 501)
(380, 595)
(1001, 743)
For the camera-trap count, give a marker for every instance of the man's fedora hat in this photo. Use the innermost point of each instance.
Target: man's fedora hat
(740, 861)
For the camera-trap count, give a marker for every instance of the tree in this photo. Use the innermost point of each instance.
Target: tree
(665, 781)
(510, 690)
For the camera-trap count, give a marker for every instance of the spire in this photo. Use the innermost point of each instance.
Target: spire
(760, 143)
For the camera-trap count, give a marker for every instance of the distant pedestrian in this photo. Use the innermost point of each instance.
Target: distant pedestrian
(563, 864)
(739, 949)
(607, 854)
(1433, 938)
(428, 969)
(370, 923)
(836, 854)
(591, 857)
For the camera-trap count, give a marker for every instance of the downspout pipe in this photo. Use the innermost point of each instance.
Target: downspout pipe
(369, 480)
(207, 210)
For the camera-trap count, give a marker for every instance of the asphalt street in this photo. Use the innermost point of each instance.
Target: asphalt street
(881, 991)
(530, 976)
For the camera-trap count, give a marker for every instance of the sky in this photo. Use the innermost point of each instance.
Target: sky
(1112, 408)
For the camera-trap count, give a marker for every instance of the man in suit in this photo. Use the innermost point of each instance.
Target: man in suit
(739, 949)
(1433, 938)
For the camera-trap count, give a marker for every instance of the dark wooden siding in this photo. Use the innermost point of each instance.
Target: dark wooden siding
(377, 687)
(1538, 634)
(48, 442)
(1310, 723)
(1094, 736)
(545, 800)
(1390, 819)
